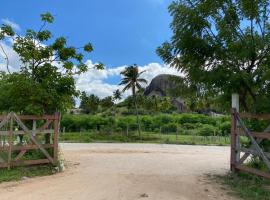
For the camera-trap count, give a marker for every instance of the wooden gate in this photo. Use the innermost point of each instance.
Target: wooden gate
(20, 137)
(238, 153)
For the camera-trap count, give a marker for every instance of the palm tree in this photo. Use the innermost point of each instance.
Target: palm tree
(117, 95)
(131, 80)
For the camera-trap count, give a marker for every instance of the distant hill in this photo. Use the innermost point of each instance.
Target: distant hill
(163, 85)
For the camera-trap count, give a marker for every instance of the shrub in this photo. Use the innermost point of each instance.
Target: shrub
(190, 125)
(197, 118)
(225, 128)
(169, 128)
(206, 130)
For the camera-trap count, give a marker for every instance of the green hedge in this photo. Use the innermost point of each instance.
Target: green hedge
(166, 123)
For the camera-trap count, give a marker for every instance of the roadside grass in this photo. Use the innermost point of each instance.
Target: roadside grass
(146, 137)
(18, 173)
(246, 186)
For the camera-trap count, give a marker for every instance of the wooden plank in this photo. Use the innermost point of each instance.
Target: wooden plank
(45, 126)
(261, 135)
(10, 141)
(2, 160)
(254, 143)
(55, 137)
(35, 132)
(33, 138)
(253, 171)
(26, 147)
(25, 162)
(20, 155)
(254, 152)
(255, 116)
(233, 139)
(31, 117)
(4, 120)
(259, 140)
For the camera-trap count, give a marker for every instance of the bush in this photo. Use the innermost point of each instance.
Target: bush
(225, 128)
(197, 118)
(206, 130)
(169, 128)
(189, 123)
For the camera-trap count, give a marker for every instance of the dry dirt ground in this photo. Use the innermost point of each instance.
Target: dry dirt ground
(129, 172)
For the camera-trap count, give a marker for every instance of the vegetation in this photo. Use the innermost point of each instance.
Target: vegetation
(89, 103)
(246, 186)
(146, 137)
(183, 124)
(132, 80)
(45, 81)
(222, 47)
(19, 173)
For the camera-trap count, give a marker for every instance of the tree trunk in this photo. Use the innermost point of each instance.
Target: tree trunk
(137, 115)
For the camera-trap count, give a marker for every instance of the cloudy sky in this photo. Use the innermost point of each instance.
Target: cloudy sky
(123, 32)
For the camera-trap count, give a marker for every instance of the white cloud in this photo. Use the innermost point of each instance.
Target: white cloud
(94, 81)
(13, 57)
(14, 25)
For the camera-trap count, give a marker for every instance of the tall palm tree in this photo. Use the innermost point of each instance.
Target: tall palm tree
(117, 95)
(131, 80)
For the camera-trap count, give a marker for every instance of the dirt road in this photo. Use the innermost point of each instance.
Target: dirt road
(129, 172)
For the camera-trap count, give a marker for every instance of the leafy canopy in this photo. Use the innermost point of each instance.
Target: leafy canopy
(224, 45)
(45, 82)
(131, 78)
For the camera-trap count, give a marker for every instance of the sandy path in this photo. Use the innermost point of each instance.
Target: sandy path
(128, 172)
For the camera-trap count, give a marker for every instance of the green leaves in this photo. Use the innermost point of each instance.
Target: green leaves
(99, 66)
(47, 17)
(59, 43)
(41, 86)
(44, 35)
(6, 30)
(131, 78)
(88, 47)
(221, 44)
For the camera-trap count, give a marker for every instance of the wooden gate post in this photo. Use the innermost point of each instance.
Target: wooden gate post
(10, 141)
(235, 139)
(55, 137)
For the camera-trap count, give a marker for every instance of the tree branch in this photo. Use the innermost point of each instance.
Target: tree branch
(6, 58)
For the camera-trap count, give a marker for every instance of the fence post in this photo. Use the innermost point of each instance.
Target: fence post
(10, 141)
(235, 140)
(55, 136)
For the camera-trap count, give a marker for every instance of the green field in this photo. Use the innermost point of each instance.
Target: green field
(246, 186)
(146, 137)
(18, 173)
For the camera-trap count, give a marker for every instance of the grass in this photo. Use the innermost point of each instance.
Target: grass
(89, 137)
(17, 173)
(247, 186)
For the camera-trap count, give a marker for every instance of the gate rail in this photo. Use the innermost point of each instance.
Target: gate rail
(240, 154)
(18, 126)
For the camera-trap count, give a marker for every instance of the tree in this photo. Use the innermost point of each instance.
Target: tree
(131, 80)
(117, 95)
(45, 82)
(224, 45)
(90, 103)
(107, 102)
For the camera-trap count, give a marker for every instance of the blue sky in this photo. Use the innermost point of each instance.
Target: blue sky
(123, 32)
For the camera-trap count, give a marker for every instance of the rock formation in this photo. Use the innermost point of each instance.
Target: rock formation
(163, 85)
